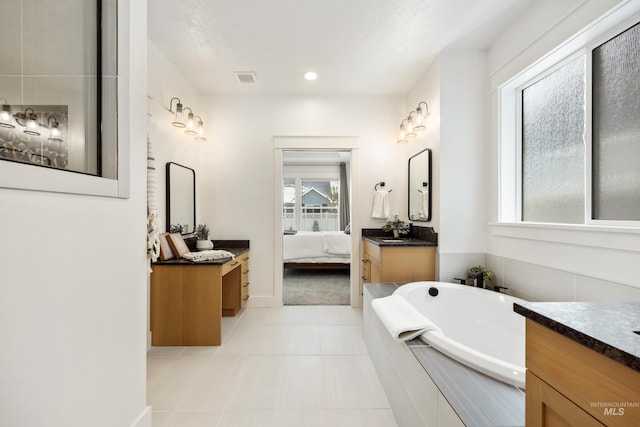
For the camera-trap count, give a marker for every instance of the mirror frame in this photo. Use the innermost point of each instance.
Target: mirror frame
(429, 184)
(168, 196)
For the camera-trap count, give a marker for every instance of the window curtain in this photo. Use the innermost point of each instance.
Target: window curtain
(345, 216)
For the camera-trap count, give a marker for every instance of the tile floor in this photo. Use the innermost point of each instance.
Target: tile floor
(290, 366)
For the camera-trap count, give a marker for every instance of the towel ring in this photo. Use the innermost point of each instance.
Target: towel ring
(381, 184)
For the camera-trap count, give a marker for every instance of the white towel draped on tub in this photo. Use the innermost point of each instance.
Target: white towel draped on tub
(401, 319)
(380, 204)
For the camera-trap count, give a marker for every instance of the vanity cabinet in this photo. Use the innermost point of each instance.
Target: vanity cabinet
(397, 263)
(237, 293)
(569, 384)
(188, 299)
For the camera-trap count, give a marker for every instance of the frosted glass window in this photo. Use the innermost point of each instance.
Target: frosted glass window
(553, 122)
(616, 127)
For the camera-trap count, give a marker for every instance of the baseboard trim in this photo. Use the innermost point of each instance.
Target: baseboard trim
(144, 419)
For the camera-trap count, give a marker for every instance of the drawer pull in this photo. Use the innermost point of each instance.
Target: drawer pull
(245, 286)
(246, 297)
(364, 278)
(235, 263)
(365, 261)
(245, 272)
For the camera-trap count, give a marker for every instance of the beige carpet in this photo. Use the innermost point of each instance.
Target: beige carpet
(315, 287)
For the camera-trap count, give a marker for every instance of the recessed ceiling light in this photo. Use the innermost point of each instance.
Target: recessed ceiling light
(310, 75)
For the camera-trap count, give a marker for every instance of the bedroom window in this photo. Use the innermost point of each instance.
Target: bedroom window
(576, 120)
(311, 204)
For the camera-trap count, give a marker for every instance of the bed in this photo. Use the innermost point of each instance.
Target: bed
(317, 250)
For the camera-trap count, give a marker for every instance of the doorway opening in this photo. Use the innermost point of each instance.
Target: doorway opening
(315, 224)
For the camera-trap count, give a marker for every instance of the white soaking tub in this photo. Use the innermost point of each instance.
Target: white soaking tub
(478, 327)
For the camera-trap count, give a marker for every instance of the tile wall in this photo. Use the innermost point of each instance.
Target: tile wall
(537, 283)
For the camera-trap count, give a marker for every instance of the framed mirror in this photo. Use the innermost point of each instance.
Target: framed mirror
(60, 96)
(181, 198)
(419, 186)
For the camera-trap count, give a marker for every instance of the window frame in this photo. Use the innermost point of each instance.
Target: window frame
(307, 173)
(510, 119)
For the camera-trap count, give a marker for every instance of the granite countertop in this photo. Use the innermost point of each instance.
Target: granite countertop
(391, 241)
(610, 328)
(235, 250)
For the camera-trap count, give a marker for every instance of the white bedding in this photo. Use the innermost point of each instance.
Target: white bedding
(310, 245)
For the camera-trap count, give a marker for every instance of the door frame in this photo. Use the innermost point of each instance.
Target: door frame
(317, 143)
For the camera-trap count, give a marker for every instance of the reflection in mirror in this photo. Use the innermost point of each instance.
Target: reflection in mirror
(419, 185)
(181, 198)
(58, 98)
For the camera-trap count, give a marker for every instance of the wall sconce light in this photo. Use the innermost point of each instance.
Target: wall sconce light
(414, 123)
(5, 116)
(28, 119)
(56, 135)
(421, 116)
(178, 120)
(191, 124)
(194, 125)
(200, 130)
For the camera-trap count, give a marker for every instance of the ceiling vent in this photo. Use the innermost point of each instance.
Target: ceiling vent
(245, 77)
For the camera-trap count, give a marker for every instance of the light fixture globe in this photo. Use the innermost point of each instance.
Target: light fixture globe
(29, 118)
(5, 117)
(56, 135)
(178, 120)
(410, 132)
(402, 138)
(191, 124)
(421, 116)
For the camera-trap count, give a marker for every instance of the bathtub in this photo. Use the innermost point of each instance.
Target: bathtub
(478, 327)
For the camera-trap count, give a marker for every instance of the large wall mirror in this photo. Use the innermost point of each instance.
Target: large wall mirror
(59, 99)
(420, 186)
(181, 198)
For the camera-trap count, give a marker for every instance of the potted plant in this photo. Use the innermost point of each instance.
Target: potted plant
(202, 234)
(480, 275)
(397, 226)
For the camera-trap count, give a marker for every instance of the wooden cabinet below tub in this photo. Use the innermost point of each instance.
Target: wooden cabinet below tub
(409, 260)
(578, 374)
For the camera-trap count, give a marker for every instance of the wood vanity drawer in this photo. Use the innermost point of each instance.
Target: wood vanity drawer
(585, 377)
(230, 265)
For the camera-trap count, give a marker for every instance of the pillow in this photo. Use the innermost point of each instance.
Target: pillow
(290, 232)
(347, 230)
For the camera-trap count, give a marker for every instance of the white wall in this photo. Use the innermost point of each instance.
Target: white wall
(610, 255)
(455, 86)
(72, 280)
(237, 189)
(427, 89)
(171, 144)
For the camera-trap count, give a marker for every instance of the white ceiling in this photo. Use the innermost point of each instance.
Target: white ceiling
(355, 46)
